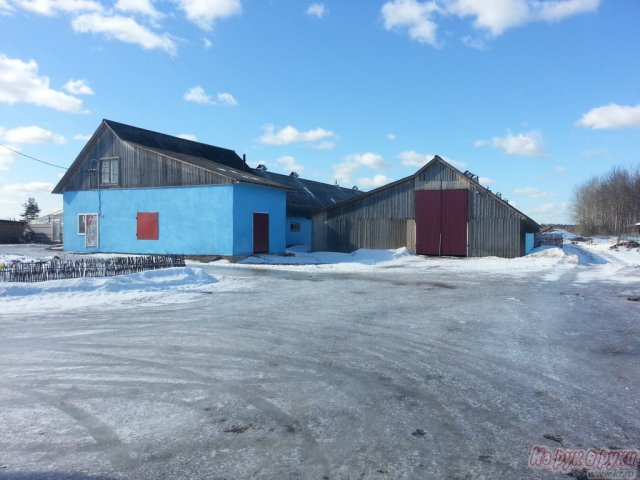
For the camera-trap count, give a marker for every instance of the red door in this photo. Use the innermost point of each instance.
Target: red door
(441, 222)
(260, 233)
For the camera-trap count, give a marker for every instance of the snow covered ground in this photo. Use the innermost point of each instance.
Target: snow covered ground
(377, 364)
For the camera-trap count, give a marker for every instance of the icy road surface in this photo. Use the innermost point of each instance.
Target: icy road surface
(411, 368)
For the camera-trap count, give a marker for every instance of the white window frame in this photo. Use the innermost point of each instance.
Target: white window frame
(97, 231)
(84, 223)
(111, 161)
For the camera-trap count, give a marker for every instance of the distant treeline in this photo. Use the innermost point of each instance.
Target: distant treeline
(607, 204)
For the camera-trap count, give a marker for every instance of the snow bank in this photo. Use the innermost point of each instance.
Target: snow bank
(362, 257)
(364, 260)
(81, 292)
(620, 265)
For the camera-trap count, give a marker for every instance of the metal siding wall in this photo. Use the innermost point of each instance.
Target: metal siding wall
(493, 229)
(378, 221)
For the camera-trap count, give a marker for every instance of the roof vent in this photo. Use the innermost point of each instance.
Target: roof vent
(472, 176)
(498, 194)
(355, 187)
(294, 174)
(262, 167)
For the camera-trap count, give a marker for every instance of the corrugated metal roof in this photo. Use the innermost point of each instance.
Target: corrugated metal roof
(170, 143)
(307, 196)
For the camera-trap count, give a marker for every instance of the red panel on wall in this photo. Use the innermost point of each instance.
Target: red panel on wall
(147, 226)
(441, 222)
(260, 233)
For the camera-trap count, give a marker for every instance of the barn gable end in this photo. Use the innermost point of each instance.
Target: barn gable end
(386, 217)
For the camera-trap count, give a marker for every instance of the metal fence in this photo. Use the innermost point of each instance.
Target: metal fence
(58, 269)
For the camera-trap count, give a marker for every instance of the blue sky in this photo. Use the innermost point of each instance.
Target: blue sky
(534, 96)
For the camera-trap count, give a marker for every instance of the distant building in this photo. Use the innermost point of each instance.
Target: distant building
(12, 231)
(437, 211)
(47, 228)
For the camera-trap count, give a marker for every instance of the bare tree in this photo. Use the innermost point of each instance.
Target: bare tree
(607, 204)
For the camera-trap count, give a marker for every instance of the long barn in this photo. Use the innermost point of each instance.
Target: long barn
(437, 211)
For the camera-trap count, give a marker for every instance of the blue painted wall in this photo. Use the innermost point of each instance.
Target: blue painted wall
(200, 220)
(303, 237)
(250, 199)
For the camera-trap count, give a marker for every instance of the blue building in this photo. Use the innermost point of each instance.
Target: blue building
(132, 190)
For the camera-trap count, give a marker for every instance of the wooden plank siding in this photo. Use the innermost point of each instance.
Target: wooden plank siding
(385, 217)
(138, 167)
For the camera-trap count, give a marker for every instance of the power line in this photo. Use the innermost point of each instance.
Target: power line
(32, 158)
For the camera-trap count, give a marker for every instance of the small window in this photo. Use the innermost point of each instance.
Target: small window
(82, 224)
(109, 171)
(147, 223)
(294, 227)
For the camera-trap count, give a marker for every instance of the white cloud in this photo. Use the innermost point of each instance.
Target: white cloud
(289, 164)
(474, 42)
(411, 158)
(82, 138)
(141, 7)
(494, 17)
(486, 181)
(498, 16)
(551, 212)
(291, 134)
(560, 169)
(20, 82)
(343, 172)
(324, 145)
(188, 136)
(5, 8)
(598, 152)
(414, 16)
(78, 87)
(533, 193)
(317, 10)
(391, 137)
(198, 95)
(31, 135)
(373, 182)
(125, 29)
(206, 43)
(371, 160)
(204, 13)
(527, 144)
(611, 116)
(554, 11)
(51, 7)
(26, 189)
(225, 98)
(7, 157)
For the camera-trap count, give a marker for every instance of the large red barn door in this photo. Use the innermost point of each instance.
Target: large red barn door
(260, 233)
(428, 208)
(441, 222)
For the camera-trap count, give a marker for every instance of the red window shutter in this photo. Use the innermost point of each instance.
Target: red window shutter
(147, 225)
